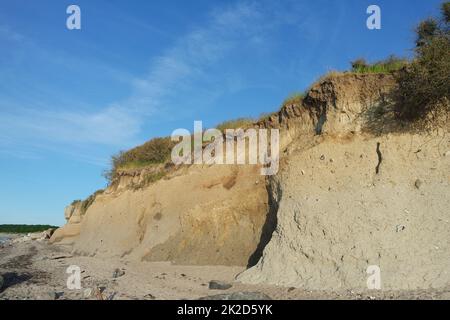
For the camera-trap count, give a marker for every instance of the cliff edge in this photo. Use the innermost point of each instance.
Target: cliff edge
(354, 190)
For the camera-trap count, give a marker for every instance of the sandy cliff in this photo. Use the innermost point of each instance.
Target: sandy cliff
(336, 216)
(353, 191)
(198, 215)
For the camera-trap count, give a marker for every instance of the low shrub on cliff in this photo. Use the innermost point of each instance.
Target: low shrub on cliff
(388, 65)
(158, 151)
(85, 204)
(294, 98)
(155, 151)
(240, 123)
(424, 85)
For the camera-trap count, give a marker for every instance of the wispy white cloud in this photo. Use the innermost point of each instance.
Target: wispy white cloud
(110, 126)
(186, 64)
(7, 33)
(191, 55)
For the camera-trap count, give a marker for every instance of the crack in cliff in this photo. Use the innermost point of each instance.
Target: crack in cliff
(380, 158)
(274, 194)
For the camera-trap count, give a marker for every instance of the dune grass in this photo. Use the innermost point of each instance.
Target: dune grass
(294, 98)
(423, 85)
(239, 123)
(389, 65)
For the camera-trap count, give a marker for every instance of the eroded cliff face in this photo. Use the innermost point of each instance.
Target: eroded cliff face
(345, 198)
(337, 105)
(198, 215)
(337, 216)
(357, 196)
(208, 214)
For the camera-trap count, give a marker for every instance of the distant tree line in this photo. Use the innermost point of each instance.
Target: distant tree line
(24, 228)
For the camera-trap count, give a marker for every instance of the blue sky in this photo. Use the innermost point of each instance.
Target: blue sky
(69, 99)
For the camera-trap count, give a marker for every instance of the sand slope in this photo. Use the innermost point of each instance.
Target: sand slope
(337, 216)
(203, 215)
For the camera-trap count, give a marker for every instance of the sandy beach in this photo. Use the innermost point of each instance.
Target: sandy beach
(4, 237)
(37, 270)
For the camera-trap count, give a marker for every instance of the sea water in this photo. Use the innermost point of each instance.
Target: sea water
(3, 239)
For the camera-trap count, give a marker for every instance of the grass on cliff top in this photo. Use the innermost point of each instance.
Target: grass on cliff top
(423, 90)
(294, 98)
(240, 123)
(360, 66)
(389, 65)
(155, 151)
(24, 228)
(158, 150)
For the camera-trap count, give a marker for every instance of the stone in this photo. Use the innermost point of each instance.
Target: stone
(25, 238)
(97, 293)
(238, 296)
(118, 273)
(219, 285)
(50, 295)
(47, 234)
(418, 183)
(87, 293)
(400, 228)
(111, 296)
(35, 235)
(149, 296)
(322, 157)
(59, 257)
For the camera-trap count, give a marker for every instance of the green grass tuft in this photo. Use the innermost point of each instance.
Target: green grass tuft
(294, 98)
(240, 123)
(388, 65)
